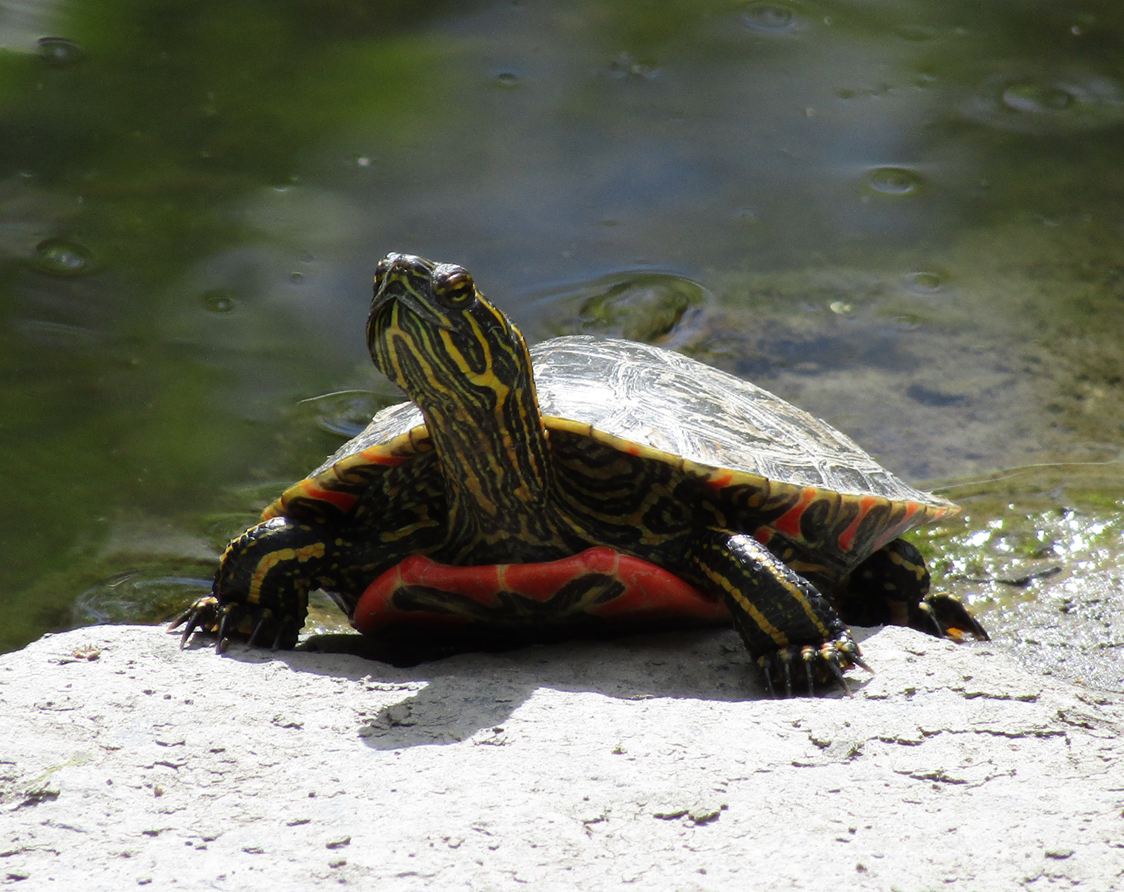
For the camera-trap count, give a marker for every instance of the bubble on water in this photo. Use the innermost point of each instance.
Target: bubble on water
(841, 308)
(59, 52)
(1047, 102)
(218, 300)
(924, 282)
(894, 181)
(60, 257)
(770, 18)
(1028, 96)
(362, 161)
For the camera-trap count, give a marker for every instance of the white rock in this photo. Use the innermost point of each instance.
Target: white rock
(649, 762)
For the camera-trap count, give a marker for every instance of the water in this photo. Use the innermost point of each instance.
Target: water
(903, 216)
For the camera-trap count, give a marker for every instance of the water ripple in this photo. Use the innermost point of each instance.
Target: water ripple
(1047, 102)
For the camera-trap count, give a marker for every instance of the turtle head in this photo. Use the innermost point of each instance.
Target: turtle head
(438, 338)
(468, 369)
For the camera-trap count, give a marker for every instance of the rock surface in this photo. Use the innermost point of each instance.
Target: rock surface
(645, 762)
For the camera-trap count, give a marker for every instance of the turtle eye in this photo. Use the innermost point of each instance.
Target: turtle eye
(381, 270)
(453, 285)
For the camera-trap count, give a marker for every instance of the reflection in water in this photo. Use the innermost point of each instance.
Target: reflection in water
(641, 306)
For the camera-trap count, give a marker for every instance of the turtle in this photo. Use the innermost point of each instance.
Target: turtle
(586, 479)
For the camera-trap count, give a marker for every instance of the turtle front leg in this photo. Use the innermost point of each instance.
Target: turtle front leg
(892, 587)
(787, 625)
(261, 588)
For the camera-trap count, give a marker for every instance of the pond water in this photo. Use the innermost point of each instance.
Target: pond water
(904, 216)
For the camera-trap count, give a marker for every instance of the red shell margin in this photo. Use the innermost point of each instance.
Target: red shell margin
(650, 592)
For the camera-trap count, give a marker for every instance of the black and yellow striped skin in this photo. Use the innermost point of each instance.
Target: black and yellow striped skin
(485, 478)
(467, 366)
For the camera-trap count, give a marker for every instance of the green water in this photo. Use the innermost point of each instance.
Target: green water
(904, 216)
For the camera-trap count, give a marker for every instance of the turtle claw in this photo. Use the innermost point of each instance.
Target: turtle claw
(924, 620)
(808, 656)
(277, 641)
(252, 640)
(180, 619)
(860, 662)
(837, 670)
(234, 620)
(224, 628)
(945, 616)
(786, 665)
(823, 666)
(767, 676)
(849, 653)
(202, 614)
(187, 633)
(192, 625)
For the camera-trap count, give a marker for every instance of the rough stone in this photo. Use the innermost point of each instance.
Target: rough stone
(652, 761)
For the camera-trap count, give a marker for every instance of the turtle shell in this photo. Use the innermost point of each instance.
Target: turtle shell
(664, 406)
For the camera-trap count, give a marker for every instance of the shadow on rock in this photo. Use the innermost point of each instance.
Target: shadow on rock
(443, 693)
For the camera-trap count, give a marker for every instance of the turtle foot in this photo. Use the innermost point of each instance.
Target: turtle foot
(813, 668)
(202, 615)
(251, 622)
(945, 616)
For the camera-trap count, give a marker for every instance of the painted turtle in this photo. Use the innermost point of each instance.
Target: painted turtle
(587, 477)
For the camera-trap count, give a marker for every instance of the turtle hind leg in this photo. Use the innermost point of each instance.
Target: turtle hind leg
(790, 629)
(891, 587)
